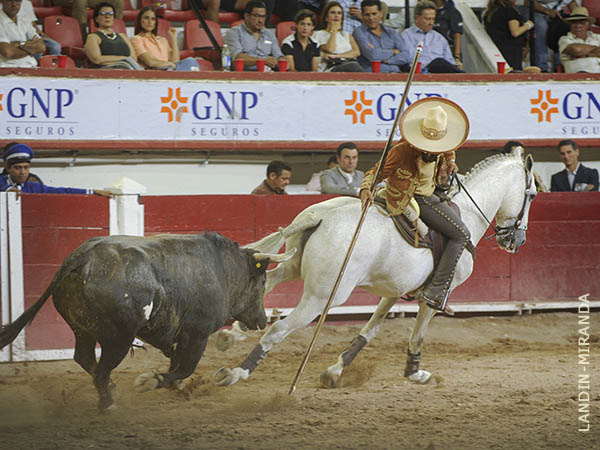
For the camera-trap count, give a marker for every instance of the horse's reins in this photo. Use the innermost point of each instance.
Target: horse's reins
(497, 229)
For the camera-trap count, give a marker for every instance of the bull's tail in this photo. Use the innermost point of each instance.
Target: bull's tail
(274, 241)
(9, 333)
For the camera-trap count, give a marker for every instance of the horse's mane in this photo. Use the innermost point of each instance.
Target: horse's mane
(481, 166)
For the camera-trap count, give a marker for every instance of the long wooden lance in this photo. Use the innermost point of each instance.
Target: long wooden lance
(363, 215)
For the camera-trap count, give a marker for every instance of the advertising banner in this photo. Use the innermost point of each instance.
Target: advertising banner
(163, 110)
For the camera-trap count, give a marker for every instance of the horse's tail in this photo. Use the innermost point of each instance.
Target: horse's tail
(9, 332)
(274, 241)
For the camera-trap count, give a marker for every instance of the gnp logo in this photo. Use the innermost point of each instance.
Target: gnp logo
(205, 105)
(359, 106)
(574, 106)
(41, 112)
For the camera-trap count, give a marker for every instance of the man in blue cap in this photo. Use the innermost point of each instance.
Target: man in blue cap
(17, 162)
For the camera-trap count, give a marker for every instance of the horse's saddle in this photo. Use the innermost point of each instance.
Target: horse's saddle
(418, 234)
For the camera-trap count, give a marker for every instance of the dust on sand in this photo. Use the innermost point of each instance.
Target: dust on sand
(499, 383)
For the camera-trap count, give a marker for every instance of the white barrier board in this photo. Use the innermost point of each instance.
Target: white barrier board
(163, 110)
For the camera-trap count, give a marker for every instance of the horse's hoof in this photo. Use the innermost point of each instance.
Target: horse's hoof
(225, 340)
(106, 405)
(420, 377)
(146, 382)
(178, 385)
(224, 377)
(328, 381)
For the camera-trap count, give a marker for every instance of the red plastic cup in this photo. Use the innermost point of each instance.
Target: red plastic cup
(238, 65)
(376, 66)
(260, 65)
(282, 64)
(501, 66)
(418, 69)
(62, 61)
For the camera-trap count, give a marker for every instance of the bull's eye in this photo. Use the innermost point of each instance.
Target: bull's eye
(258, 265)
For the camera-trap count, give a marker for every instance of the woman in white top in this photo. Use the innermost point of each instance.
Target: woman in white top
(338, 48)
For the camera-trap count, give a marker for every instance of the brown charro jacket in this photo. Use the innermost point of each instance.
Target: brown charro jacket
(407, 174)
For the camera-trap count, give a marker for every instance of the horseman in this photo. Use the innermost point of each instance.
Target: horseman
(432, 129)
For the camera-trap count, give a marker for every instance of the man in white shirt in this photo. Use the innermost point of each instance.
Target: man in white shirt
(545, 11)
(575, 177)
(580, 48)
(19, 40)
(27, 14)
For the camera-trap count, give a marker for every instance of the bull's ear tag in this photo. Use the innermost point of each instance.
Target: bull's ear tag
(258, 265)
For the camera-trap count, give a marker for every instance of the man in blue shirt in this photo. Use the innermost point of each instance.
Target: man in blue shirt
(378, 42)
(251, 41)
(436, 56)
(17, 162)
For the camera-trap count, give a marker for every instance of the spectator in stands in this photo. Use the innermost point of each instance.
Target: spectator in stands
(343, 179)
(19, 41)
(279, 174)
(107, 49)
(152, 50)
(17, 162)
(580, 48)
(378, 42)
(251, 41)
(436, 56)
(352, 15)
(448, 22)
(27, 14)
(507, 29)
(338, 48)
(315, 6)
(315, 180)
(300, 49)
(32, 176)
(545, 12)
(512, 146)
(284, 9)
(79, 10)
(575, 176)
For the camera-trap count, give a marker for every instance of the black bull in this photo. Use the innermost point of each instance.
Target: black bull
(172, 291)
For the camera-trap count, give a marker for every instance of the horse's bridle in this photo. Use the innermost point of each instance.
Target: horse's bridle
(516, 231)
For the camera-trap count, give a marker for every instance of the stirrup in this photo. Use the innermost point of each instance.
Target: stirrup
(440, 305)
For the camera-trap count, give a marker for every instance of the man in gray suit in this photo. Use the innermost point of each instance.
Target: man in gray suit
(343, 179)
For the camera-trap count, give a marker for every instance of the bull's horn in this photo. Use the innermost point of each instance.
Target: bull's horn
(275, 257)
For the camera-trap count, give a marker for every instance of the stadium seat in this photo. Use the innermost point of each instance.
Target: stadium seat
(129, 12)
(196, 40)
(118, 26)
(52, 61)
(235, 23)
(593, 7)
(205, 65)
(165, 9)
(65, 30)
(284, 29)
(43, 8)
(163, 28)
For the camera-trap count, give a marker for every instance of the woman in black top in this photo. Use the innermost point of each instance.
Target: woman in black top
(505, 26)
(105, 48)
(301, 51)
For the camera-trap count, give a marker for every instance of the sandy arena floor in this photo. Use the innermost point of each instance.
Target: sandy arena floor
(500, 383)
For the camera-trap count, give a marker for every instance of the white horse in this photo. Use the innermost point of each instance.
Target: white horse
(382, 262)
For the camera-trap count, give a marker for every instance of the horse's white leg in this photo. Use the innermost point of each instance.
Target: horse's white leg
(308, 309)
(415, 342)
(331, 376)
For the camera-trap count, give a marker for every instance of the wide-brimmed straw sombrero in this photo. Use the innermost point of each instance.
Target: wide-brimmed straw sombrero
(580, 13)
(434, 125)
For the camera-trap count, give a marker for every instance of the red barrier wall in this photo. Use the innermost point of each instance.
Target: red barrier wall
(53, 226)
(560, 261)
